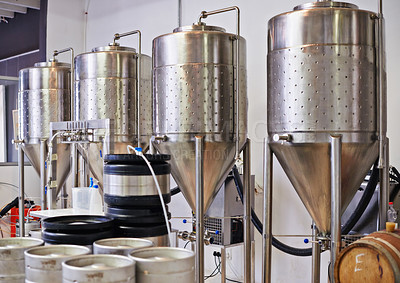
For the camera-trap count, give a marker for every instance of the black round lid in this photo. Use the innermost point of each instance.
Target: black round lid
(135, 159)
(77, 223)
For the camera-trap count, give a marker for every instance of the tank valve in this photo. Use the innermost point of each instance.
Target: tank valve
(284, 137)
(186, 236)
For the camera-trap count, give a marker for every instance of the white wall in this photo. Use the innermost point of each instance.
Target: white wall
(66, 26)
(9, 184)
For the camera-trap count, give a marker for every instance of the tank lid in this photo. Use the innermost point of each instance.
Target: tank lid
(201, 27)
(52, 63)
(325, 4)
(113, 47)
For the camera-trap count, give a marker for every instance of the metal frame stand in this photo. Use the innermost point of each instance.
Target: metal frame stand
(316, 256)
(267, 212)
(248, 263)
(384, 183)
(21, 197)
(247, 243)
(199, 211)
(336, 188)
(75, 132)
(43, 150)
(336, 155)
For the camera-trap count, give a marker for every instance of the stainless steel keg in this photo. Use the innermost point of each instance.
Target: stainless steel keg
(126, 176)
(43, 264)
(161, 264)
(99, 268)
(44, 96)
(322, 82)
(120, 246)
(12, 261)
(194, 71)
(106, 88)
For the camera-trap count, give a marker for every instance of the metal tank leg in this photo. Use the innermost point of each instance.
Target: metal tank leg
(43, 202)
(384, 187)
(223, 264)
(247, 213)
(316, 256)
(21, 197)
(267, 213)
(199, 211)
(336, 186)
(74, 165)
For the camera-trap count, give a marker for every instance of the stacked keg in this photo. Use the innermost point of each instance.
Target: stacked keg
(131, 197)
(43, 264)
(99, 268)
(12, 261)
(120, 246)
(77, 229)
(164, 264)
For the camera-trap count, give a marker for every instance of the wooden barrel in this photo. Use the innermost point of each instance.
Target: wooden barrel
(374, 258)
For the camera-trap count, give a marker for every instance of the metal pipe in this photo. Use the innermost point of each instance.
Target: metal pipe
(56, 53)
(336, 186)
(267, 213)
(74, 165)
(316, 256)
(223, 264)
(384, 188)
(21, 197)
(381, 85)
(179, 13)
(117, 36)
(43, 202)
(205, 14)
(247, 212)
(64, 197)
(199, 211)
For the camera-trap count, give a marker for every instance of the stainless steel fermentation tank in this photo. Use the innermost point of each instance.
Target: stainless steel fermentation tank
(106, 82)
(200, 115)
(321, 81)
(194, 94)
(326, 107)
(43, 97)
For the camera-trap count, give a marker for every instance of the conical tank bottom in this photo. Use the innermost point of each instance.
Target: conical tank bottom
(32, 151)
(218, 161)
(308, 168)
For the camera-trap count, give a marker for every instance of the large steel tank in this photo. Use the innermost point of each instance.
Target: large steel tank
(106, 88)
(194, 70)
(322, 82)
(44, 96)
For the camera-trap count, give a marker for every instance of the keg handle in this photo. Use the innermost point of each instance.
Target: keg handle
(56, 53)
(118, 36)
(204, 15)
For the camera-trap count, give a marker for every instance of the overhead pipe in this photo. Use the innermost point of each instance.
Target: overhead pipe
(205, 14)
(118, 36)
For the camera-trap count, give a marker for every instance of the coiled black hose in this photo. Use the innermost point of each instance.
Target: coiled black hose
(259, 226)
(8, 207)
(175, 191)
(364, 201)
(355, 216)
